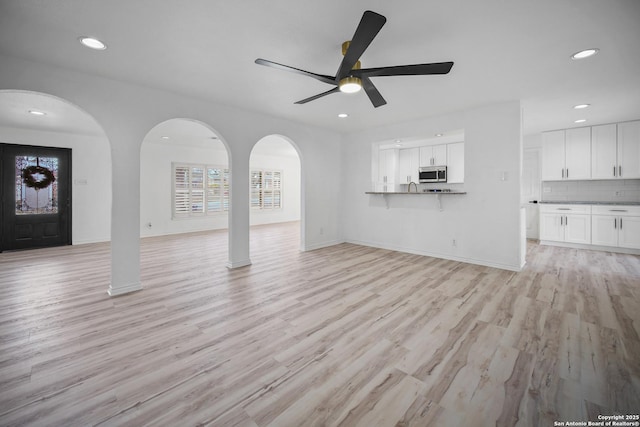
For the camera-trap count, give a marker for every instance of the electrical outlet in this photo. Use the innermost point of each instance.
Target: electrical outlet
(618, 193)
(454, 243)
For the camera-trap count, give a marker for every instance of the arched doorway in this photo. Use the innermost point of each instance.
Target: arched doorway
(48, 125)
(276, 196)
(184, 179)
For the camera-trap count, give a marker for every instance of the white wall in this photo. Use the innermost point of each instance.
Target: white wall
(485, 222)
(90, 163)
(155, 187)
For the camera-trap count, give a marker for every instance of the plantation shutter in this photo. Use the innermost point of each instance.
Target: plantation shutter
(256, 189)
(197, 190)
(214, 189)
(277, 190)
(181, 204)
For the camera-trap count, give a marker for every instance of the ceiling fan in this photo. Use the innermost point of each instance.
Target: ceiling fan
(350, 78)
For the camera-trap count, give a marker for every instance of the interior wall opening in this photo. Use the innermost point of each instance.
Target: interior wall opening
(276, 185)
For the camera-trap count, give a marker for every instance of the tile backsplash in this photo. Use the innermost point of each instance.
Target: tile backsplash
(618, 190)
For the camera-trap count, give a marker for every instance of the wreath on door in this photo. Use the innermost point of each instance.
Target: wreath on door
(30, 180)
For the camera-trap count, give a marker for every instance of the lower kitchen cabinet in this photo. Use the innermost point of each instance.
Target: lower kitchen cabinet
(616, 226)
(566, 223)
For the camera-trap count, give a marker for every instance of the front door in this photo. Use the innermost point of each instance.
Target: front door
(35, 193)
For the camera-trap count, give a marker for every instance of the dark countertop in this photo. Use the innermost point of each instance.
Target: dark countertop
(564, 202)
(414, 192)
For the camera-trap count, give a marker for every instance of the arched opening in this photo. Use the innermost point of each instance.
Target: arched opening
(184, 179)
(276, 197)
(48, 123)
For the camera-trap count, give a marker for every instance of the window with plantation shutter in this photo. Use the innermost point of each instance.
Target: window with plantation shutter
(199, 190)
(266, 189)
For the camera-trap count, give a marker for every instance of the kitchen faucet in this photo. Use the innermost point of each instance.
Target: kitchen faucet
(415, 185)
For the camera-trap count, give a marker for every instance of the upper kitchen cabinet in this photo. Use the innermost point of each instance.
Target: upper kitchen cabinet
(616, 151)
(387, 170)
(604, 152)
(433, 155)
(566, 154)
(455, 165)
(629, 150)
(408, 161)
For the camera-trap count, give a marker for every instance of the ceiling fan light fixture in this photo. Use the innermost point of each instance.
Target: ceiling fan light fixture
(350, 84)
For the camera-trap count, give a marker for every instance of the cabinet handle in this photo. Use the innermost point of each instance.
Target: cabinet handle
(563, 172)
(615, 222)
(620, 223)
(567, 172)
(566, 221)
(619, 170)
(614, 170)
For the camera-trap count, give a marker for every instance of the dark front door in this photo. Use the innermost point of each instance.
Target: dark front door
(35, 193)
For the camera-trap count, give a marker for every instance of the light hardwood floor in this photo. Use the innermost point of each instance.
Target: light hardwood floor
(341, 336)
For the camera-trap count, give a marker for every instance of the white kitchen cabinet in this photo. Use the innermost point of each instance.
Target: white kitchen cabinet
(617, 226)
(577, 148)
(616, 151)
(455, 163)
(629, 150)
(553, 156)
(408, 165)
(566, 223)
(387, 170)
(433, 155)
(604, 152)
(566, 154)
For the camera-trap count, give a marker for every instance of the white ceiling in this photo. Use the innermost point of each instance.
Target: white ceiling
(503, 50)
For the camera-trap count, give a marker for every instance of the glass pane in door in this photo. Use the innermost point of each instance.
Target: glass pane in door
(36, 185)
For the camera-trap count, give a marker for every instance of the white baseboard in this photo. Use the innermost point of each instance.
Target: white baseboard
(121, 290)
(591, 247)
(90, 241)
(486, 263)
(238, 264)
(320, 245)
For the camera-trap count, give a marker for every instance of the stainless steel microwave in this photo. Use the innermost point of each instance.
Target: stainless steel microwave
(433, 174)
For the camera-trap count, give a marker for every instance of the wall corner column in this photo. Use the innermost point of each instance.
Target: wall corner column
(239, 220)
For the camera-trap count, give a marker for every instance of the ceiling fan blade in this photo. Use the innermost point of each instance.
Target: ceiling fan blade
(320, 95)
(368, 28)
(325, 79)
(372, 92)
(406, 70)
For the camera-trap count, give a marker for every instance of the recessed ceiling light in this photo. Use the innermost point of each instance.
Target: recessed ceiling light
(37, 113)
(580, 121)
(93, 43)
(164, 137)
(585, 53)
(343, 115)
(438, 134)
(581, 106)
